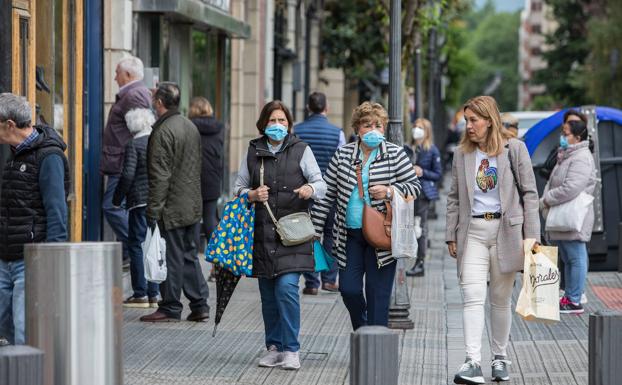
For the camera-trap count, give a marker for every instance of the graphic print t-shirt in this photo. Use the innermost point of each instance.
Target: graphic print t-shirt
(486, 190)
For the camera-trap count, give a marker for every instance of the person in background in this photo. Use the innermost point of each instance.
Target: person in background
(486, 225)
(366, 275)
(212, 143)
(429, 171)
(324, 138)
(35, 185)
(510, 123)
(551, 159)
(174, 203)
(574, 173)
(292, 179)
(132, 94)
(134, 189)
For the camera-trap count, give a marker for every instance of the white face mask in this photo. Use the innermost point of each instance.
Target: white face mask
(418, 133)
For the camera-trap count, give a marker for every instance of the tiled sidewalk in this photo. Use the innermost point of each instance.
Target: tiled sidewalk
(186, 353)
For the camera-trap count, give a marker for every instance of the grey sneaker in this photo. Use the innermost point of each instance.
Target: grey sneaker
(291, 361)
(271, 358)
(500, 369)
(469, 373)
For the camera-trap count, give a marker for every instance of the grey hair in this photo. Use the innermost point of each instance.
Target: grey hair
(139, 120)
(15, 108)
(133, 66)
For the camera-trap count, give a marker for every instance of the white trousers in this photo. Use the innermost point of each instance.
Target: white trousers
(480, 258)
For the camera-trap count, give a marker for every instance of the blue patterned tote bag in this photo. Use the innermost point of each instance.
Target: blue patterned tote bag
(231, 244)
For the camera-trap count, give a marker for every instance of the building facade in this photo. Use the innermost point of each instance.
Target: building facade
(535, 24)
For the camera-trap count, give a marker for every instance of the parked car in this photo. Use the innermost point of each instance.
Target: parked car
(526, 119)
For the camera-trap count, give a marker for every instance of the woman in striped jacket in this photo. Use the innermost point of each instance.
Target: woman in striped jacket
(386, 170)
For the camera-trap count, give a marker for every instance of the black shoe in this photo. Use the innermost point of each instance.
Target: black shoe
(417, 271)
(567, 307)
(4, 341)
(500, 369)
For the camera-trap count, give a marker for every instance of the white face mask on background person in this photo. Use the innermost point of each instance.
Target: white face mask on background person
(418, 133)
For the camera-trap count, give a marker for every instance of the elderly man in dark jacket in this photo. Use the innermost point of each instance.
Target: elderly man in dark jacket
(175, 203)
(33, 204)
(132, 94)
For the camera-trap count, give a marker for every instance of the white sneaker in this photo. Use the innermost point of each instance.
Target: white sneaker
(583, 298)
(271, 358)
(291, 361)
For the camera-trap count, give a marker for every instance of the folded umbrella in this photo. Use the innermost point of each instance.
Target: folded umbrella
(230, 249)
(226, 282)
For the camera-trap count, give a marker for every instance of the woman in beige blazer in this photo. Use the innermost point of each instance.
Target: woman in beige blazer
(487, 220)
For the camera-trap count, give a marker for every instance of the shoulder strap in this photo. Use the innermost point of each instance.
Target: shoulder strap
(266, 202)
(513, 169)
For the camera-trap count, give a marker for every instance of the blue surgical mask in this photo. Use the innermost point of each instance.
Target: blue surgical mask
(563, 142)
(373, 139)
(276, 132)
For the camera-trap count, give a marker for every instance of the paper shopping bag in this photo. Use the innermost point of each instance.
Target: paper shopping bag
(539, 296)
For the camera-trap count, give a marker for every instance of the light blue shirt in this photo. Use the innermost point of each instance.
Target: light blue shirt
(354, 211)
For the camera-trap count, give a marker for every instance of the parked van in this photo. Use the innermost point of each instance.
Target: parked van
(526, 119)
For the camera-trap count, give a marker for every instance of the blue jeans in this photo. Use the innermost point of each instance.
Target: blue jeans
(280, 308)
(12, 319)
(574, 255)
(373, 307)
(116, 217)
(137, 232)
(312, 280)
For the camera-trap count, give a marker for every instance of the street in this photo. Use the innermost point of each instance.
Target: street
(186, 353)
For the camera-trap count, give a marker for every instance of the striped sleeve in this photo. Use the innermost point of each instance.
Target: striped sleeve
(321, 208)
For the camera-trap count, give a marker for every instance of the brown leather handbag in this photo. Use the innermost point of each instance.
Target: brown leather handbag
(376, 225)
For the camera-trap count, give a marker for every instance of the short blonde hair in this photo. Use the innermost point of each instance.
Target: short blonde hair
(486, 108)
(369, 111)
(427, 129)
(199, 106)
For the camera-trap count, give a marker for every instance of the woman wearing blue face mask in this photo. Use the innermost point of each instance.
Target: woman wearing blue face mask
(574, 173)
(385, 170)
(291, 177)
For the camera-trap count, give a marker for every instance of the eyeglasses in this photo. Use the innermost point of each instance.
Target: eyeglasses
(508, 125)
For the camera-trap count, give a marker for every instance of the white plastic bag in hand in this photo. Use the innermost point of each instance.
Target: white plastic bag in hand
(403, 235)
(154, 256)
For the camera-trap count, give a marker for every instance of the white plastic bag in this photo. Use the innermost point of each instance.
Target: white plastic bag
(569, 216)
(154, 256)
(403, 235)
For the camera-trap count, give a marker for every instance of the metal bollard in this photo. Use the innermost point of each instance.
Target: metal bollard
(73, 311)
(605, 347)
(374, 356)
(21, 365)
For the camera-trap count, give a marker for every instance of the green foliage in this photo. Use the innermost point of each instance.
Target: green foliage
(494, 45)
(461, 63)
(563, 76)
(603, 73)
(353, 37)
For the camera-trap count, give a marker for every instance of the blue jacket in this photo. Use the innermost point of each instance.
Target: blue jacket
(430, 162)
(321, 136)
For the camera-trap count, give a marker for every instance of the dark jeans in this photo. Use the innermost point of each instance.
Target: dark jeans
(136, 236)
(421, 210)
(312, 280)
(116, 217)
(373, 307)
(210, 218)
(183, 273)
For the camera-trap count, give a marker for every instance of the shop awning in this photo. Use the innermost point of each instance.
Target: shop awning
(196, 11)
